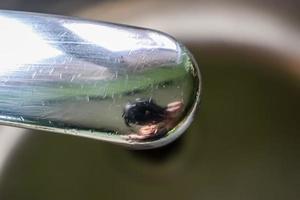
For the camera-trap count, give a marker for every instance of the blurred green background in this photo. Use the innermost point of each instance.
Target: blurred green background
(243, 143)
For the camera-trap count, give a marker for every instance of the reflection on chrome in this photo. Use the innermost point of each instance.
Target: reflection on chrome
(87, 78)
(21, 44)
(105, 37)
(156, 121)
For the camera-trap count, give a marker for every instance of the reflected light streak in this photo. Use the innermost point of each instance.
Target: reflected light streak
(21, 45)
(115, 40)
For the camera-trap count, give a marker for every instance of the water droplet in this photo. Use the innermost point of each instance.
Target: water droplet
(51, 71)
(33, 75)
(73, 77)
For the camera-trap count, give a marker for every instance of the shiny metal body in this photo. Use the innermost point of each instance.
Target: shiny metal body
(74, 76)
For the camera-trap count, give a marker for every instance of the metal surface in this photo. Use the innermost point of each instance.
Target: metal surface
(126, 85)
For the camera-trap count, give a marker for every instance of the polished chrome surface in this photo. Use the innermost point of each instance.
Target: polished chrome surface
(121, 84)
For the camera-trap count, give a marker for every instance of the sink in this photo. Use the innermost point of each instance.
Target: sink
(243, 143)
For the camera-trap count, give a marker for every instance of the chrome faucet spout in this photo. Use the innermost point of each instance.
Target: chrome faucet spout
(126, 85)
